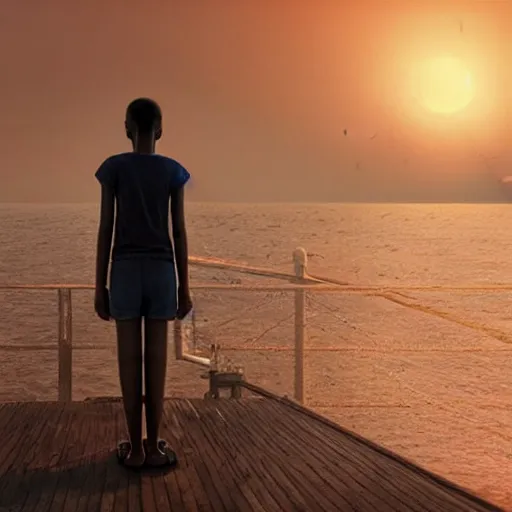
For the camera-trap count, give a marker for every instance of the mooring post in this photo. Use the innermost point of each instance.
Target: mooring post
(300, 265)
(65, 333)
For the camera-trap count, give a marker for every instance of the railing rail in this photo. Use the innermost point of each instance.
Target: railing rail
(300, 282)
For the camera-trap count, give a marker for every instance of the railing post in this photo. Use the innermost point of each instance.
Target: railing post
(65, 345)
(178, 339)
(300, 264)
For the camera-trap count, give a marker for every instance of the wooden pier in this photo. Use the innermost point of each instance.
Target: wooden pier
(253, 454)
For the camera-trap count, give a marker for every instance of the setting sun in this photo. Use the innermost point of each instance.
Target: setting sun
(444, 85)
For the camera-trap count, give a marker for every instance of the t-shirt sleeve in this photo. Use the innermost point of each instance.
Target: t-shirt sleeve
(179, 176)
(106, 174)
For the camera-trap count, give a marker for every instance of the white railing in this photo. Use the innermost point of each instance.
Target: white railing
(300, 282)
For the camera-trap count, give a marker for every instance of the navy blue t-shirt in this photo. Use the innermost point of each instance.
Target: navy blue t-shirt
(142, 184)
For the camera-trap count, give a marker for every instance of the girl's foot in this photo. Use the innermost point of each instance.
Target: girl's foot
(155, 457)
(135, 459)
(159, 455)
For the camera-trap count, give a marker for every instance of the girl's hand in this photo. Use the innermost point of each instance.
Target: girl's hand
(184, 304)
(102, 304)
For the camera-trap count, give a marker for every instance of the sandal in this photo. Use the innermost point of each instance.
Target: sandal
(171, 458)
(123, 450)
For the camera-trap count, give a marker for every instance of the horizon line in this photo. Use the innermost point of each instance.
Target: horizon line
(404, 202)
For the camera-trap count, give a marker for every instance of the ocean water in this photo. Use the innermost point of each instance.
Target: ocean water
(425, 372)
(359, 243)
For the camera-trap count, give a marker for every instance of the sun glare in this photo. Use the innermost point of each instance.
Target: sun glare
(444, 85)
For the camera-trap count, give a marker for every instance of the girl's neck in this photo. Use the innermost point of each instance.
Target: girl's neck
(144, 144)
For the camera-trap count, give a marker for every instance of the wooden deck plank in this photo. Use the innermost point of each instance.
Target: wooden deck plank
(251, 468)
(412, 484)
(128, 498)
(60, 478)
(74, 449)
(284, 489)
(177, 482)
(113, 477)
(28, 455)
(250, 455)
(88, 482)
(216, 435)
(189, 477)
(17, 452)
(37, 438)
(279, 465)
(44, 453)
(84, 476)
(7, 412)
(96, 479)
(16, 423)
(265, 442)
(237, 461)
(208, 461)
(66, 431)
(166, 490)
(409, 490)
(359, 473)
(25, 453)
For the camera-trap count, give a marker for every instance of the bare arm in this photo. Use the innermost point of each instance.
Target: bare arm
(105, 230)
(179, 235)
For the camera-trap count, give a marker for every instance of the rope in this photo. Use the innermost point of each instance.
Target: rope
(334, 312)
(267, 299)
(258, 306)
(274, 326)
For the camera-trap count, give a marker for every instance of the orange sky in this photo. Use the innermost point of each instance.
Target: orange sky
(256, 96)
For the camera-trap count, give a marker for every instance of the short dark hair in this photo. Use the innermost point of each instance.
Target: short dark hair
(145, 114)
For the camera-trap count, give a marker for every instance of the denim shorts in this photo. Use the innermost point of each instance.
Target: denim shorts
(143, 287)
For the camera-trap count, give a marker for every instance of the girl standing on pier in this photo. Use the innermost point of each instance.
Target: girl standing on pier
(136, 190)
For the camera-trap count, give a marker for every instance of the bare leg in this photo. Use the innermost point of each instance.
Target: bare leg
(155, 366)
(129, 356)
